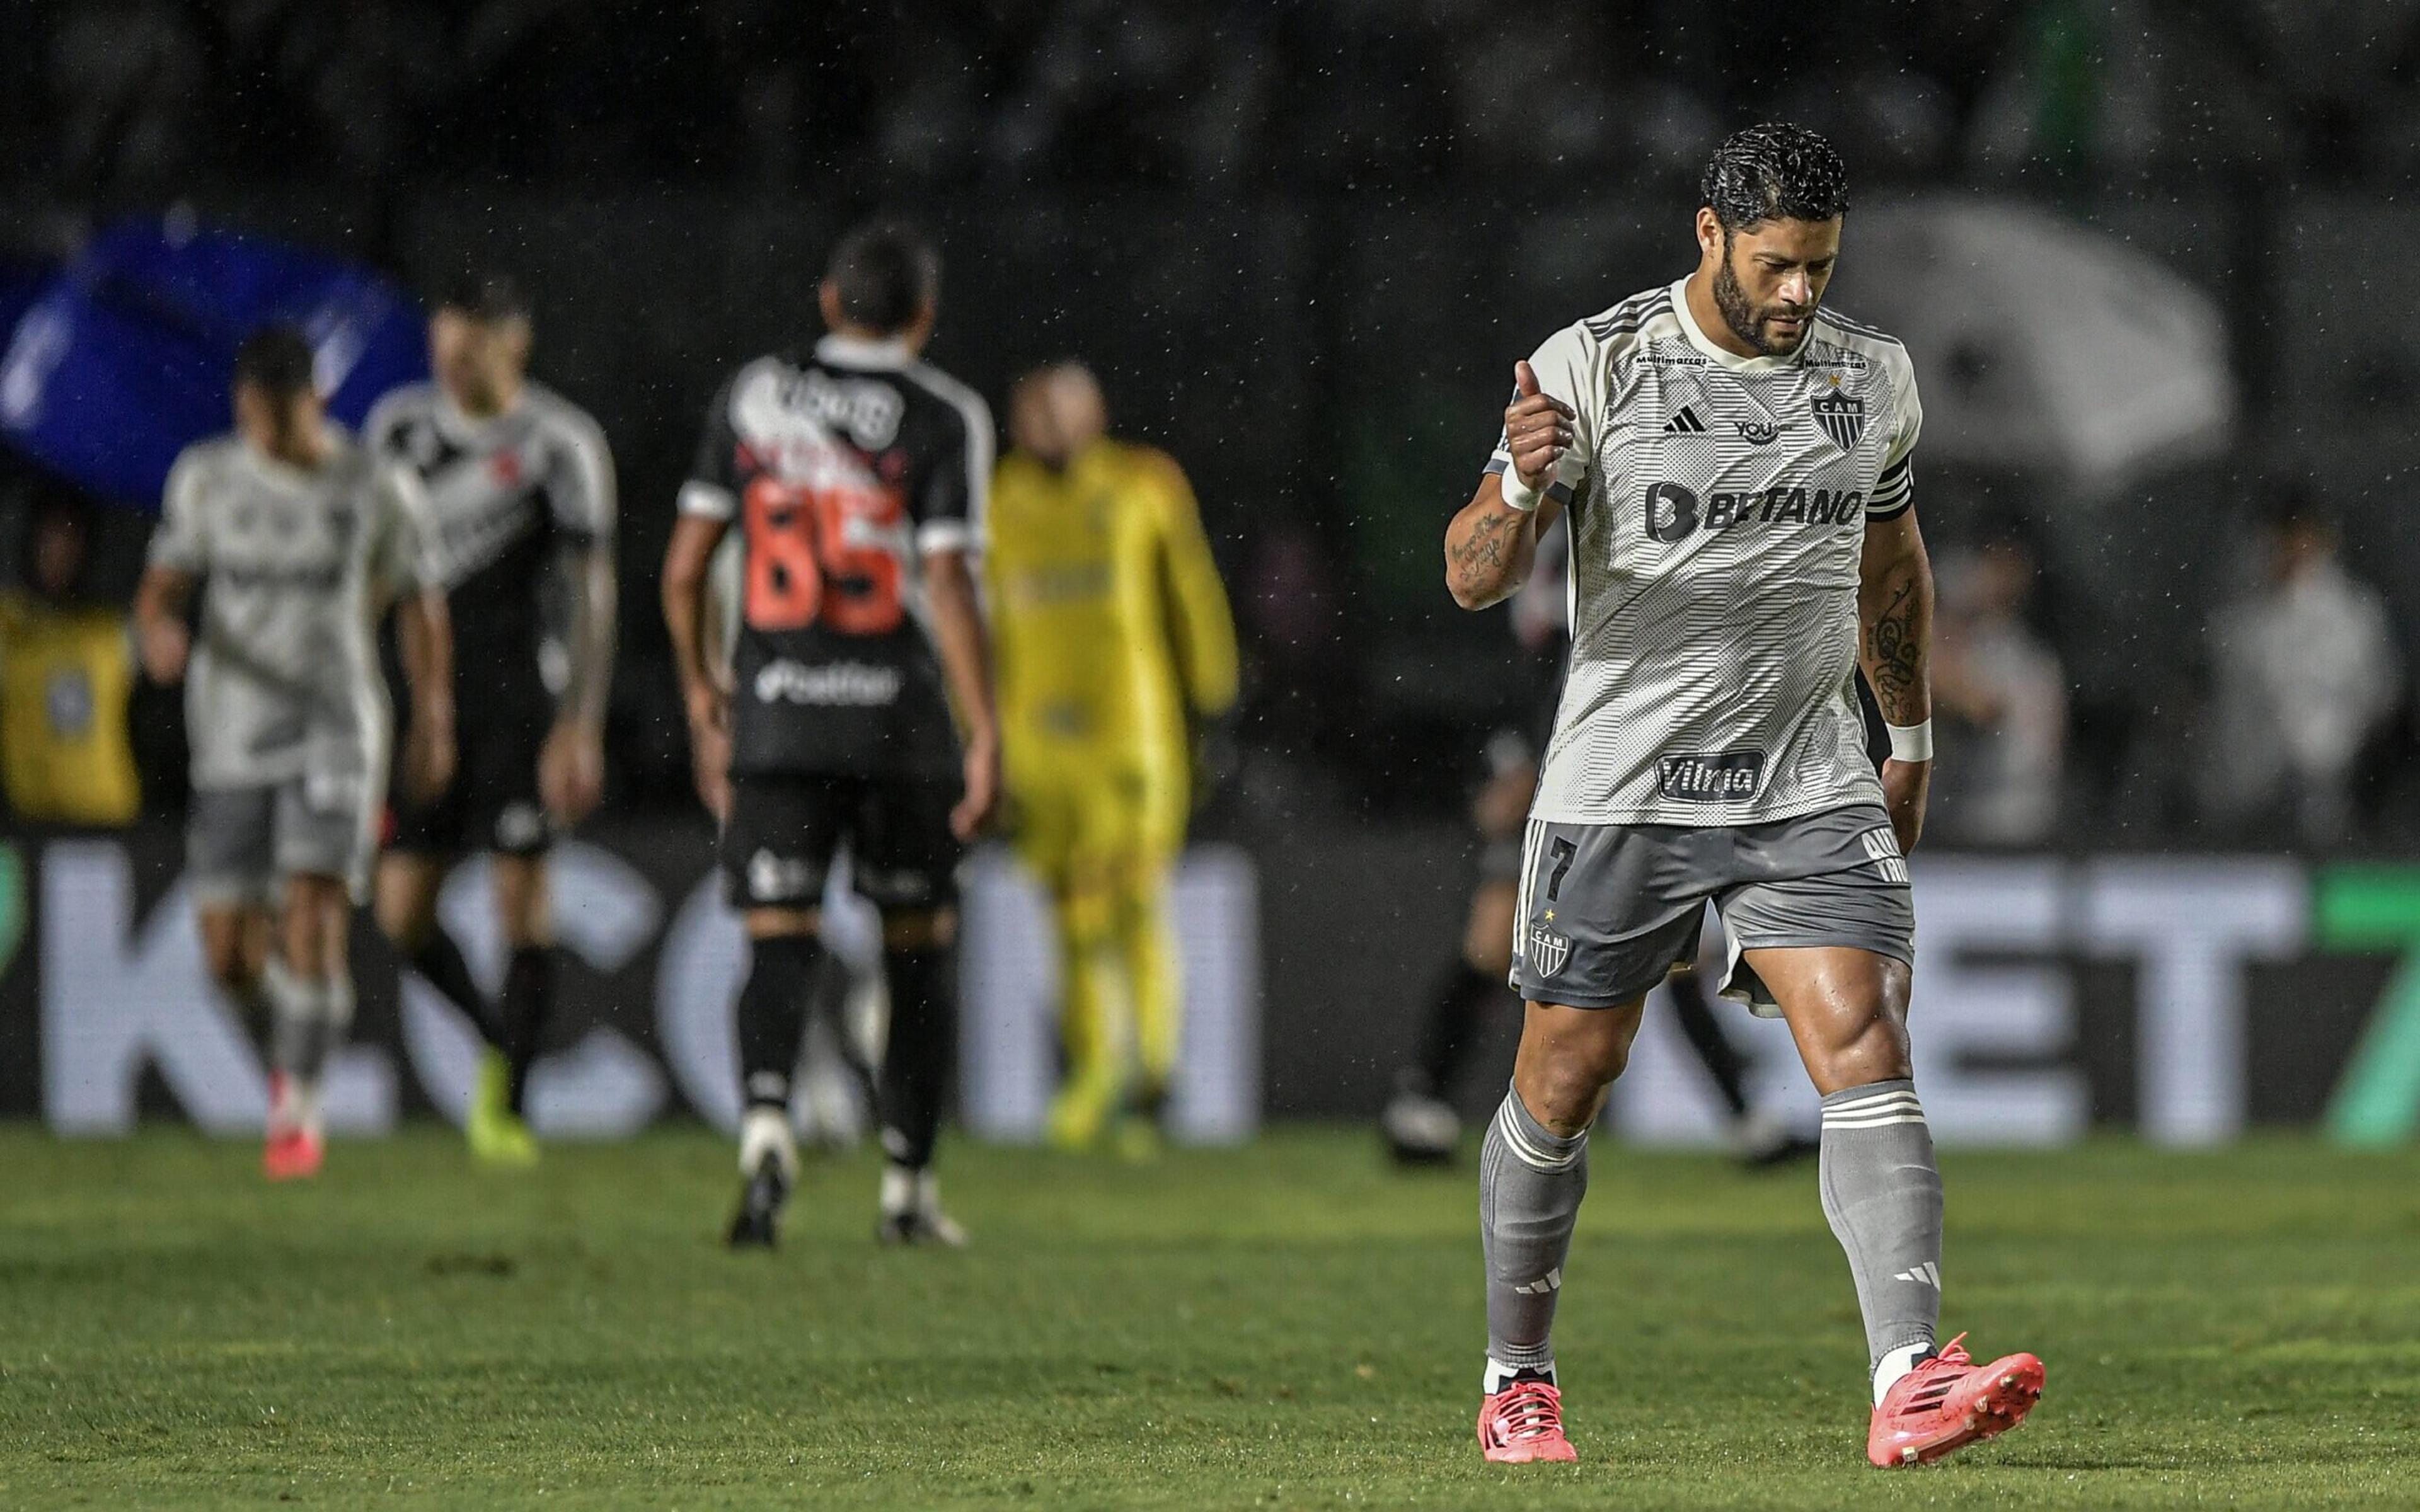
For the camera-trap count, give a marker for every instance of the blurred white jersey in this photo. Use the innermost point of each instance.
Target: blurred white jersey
(1718, 508)
(285, 681)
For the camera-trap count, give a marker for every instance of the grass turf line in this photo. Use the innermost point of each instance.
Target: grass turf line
(1290, 1325)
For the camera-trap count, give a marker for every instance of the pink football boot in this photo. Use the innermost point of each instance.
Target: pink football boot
(1947, 1402)
(294, 1150)
(1523, 1424)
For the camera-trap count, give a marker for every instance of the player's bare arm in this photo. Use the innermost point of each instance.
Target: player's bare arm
(571, 766)
(424, 635)
(160, 630)
(966, 661)
(703, 695)
(1490, 546)
(1895, 649)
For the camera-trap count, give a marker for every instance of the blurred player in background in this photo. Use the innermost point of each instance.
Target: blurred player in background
(65, 673)
(835, 1092)
(1113, 640)
(1420, 1124)
(303, 538)
(1736, 464)
(857, 477)
(520, 495)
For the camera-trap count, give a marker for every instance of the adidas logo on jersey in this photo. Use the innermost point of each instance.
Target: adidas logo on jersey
(1926, 1274)
(1684, 422)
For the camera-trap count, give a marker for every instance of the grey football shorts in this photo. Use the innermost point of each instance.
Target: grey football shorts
(241, 842)
(1607, 911)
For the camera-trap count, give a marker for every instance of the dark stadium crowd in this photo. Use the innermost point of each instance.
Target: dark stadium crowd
(140, 96)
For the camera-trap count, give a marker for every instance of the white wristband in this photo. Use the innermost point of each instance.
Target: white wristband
(1519, 495)
(1911, 742)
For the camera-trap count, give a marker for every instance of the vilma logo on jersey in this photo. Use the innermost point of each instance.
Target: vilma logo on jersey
(1723, 777)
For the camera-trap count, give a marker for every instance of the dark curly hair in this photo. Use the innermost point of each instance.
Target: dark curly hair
(1774, 171)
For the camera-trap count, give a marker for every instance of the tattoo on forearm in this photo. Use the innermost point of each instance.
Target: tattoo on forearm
(1485, 554)
(1895, 656)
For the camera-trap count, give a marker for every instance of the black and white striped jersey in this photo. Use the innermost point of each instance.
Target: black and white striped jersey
(506, 495)
(841, 470)
(1718, 508)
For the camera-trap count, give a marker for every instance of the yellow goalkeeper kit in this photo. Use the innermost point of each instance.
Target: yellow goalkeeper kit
(1113, 635)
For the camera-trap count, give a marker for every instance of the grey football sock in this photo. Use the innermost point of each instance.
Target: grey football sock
(1882, 1192)
(311, 1017)
(1530, 1183)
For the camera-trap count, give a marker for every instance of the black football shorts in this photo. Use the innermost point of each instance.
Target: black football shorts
(783, 833)
(493, 803)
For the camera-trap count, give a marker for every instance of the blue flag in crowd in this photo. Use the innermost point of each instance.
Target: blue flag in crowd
(123, 358)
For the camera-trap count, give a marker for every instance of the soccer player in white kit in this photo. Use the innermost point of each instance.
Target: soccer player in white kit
(1736, 464)
(303, 538)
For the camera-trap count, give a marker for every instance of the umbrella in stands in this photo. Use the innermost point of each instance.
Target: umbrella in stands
(2039, 341)
(123, 359)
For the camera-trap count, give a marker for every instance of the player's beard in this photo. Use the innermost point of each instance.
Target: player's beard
(1741, 316)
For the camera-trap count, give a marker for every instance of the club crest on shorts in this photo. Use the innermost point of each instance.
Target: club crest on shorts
(1842, 417)
(1548, 950)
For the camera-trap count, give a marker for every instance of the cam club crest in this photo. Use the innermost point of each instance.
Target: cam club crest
(1842, 417)
(1548, 950)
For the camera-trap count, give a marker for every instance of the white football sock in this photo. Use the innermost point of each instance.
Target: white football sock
(765, 1130)
(1893, 1365)
(901, 1189)
(1498, 1373)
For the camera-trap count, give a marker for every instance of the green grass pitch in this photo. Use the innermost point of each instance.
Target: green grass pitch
(1292, 1325)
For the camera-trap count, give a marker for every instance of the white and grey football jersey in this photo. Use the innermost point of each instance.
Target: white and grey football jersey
(284, 682)
(506, 495)
(1718, 508)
